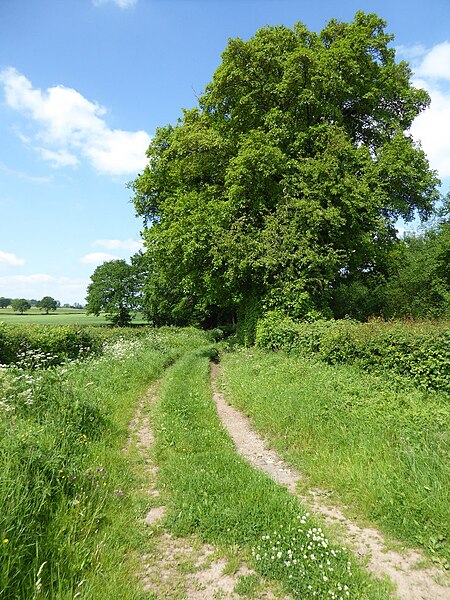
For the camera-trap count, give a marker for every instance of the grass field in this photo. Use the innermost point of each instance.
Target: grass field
(382, 447)
(212, 492)
(68, 508)
(62, 316)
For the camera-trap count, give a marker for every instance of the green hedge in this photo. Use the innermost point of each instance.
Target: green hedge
(45, 345)
(418, 350)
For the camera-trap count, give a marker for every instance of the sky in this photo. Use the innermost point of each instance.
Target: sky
(85, 83)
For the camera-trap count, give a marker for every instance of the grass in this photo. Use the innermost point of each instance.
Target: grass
(210, 491)
(68, 501)
(382, 446)
(62, 316)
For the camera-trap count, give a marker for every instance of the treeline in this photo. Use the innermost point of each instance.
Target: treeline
(415, 281)
(47, 303)
(282, 189)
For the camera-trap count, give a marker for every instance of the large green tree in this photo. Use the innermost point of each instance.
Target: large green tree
(288, 176)
(114, 290)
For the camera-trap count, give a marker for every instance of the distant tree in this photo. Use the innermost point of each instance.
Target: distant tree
(4, 302)
(33, 302)
(66, 305)
(20, 305)
(77, 305)
(47, 303)
(114, 291)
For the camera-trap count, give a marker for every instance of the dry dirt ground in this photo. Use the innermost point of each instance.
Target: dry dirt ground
(413, 581)
(186, 568)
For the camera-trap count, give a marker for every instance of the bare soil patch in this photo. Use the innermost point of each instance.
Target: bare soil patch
(413, 581)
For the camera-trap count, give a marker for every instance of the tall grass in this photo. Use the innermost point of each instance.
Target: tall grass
(64, 480)
(384, 447)
(214, 493)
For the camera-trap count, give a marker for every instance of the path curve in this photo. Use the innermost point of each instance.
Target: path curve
(412, 581)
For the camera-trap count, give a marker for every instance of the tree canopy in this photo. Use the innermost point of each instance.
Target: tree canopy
(286, 178)
(48, 304)
(20, 305)
(114, 291)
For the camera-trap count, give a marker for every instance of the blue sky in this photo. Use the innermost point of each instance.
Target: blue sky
(85, 83)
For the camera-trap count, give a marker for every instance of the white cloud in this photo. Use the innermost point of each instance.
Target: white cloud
(432, 128)
(60, 158)
(435, 63)
(119, 3)
(68, 123)
(10, 260)
(97, 258)
(431, 68)
(130, 245)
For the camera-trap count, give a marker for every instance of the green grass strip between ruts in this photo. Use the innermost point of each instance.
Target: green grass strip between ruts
(212, 492)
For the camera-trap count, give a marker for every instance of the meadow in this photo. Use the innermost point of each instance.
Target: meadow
(62, 316)
(66, 487)
(212, 492)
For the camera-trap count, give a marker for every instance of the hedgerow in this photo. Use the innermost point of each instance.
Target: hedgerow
(62, 342)
(418, 350)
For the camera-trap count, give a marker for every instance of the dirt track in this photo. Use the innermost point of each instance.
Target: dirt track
(413, 581)
(178, 567)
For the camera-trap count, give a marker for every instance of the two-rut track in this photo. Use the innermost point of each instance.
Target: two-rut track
(412, 581)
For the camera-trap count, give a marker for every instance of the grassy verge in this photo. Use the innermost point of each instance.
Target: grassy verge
(383, 447)
(67, 494)
(209, 490)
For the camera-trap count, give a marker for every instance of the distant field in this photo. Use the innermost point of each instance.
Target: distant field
(62, 316)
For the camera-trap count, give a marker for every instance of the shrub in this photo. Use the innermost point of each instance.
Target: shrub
(420, 350)
(57, 343)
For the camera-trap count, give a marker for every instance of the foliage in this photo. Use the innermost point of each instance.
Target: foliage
(114, 290)
(381, 446)
(412, 280)
(420, 286)
(47, 303)
(420, 351)
(60, 343)
(287, 178)
(4, 302)
(249, 313)
(20, 305)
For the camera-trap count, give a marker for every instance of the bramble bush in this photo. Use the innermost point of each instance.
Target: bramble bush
(418, 350)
